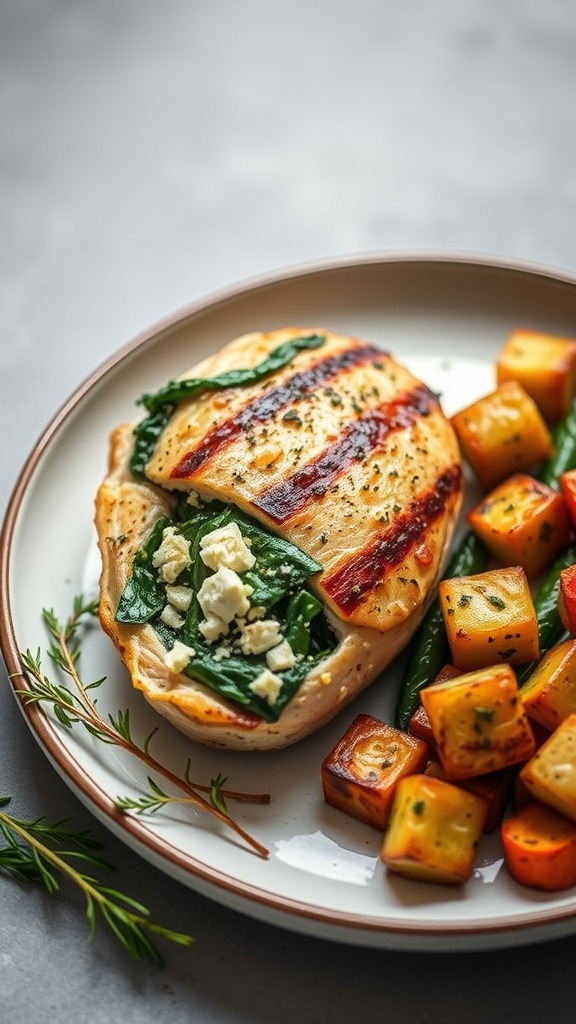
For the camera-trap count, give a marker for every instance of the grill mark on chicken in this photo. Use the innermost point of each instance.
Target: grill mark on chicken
(351, 582)
(363, 436)
(261, 409)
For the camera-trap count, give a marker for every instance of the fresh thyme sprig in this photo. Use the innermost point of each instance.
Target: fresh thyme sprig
(71, 708)
(34, 852)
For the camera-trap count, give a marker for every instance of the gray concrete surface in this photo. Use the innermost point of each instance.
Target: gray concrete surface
(154, 152)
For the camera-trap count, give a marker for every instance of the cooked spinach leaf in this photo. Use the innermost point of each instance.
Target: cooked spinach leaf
(161, 404)
(143, 596)
(277, 578)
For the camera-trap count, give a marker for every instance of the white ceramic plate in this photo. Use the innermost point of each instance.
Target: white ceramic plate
(444, 318)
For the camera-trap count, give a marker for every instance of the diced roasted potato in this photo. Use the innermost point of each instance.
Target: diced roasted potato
(540, 848)
(478, 722)
(493, 787)
(433, 831)
(489, 617)
(550, 775)
(502, 433)
(419, 724)
(522, 522)
(545, 366)
(549, 694)
(361, 772)
(567, 599)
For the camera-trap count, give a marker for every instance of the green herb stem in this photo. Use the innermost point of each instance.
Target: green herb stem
(70, 710)
(127, 918)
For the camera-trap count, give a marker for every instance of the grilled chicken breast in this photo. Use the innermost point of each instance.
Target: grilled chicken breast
(342, 453)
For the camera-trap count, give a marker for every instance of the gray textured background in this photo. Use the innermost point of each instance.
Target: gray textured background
(154, 152)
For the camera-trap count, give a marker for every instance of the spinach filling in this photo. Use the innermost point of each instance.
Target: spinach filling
(278, 589)
(160, 405)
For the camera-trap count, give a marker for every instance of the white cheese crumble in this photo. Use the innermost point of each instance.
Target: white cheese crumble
(223, 594)
(179, 597)
(173, 555)
(281, 657)
(267, 685)
(212, 628)
(226, 547)
(260, 636)
(179, 657)
(193, 499)
(258, 611)
(170, 617)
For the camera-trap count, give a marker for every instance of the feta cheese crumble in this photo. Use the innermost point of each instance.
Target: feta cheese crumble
(281, 657)
(260, 636)
(173, 555)
(170, 617)
(224, 595)
(226, 547)
(267, 685)
(179, 597)
(212, 628)
(179, 657)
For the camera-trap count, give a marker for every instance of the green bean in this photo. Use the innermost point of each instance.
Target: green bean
(550, 628)
(429, 649)
(563, 455)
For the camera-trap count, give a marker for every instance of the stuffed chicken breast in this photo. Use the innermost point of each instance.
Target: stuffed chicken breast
(271, 530)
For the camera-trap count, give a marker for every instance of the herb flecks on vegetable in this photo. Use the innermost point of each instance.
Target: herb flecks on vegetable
(161, 404)
(277, 582)
(71, 708)
(36, 851)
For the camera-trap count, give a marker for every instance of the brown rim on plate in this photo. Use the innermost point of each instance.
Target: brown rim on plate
(404, 272)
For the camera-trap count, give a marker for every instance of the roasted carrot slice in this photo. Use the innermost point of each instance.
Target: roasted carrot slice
(540, 847)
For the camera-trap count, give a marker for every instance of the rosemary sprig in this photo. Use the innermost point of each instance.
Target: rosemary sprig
(71, 708)
(34, 853)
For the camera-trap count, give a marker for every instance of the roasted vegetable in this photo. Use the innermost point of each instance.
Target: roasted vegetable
(522, 522)
(478, 722)
(430, 650)
(489, 617)
(568, 489)
(549, 695)
(563, 457)
(433, 831)
(360, 774)
(540, 848)
(550, 775)
(545, 366)
(502, 433)
(550, 628)
(494, 788)
(567, 599)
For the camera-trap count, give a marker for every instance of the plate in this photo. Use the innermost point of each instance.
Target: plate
(445, 318)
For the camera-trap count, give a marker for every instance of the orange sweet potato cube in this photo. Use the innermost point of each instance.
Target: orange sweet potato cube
(545, 366)
(523, 522)
(540, 847)
(434, 830)
(360, 774)
(502, 433)
(550, 775)
(549, 693)
(489, 617)
(479, 723)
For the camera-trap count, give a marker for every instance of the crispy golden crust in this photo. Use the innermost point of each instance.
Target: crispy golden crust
(128, 509)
